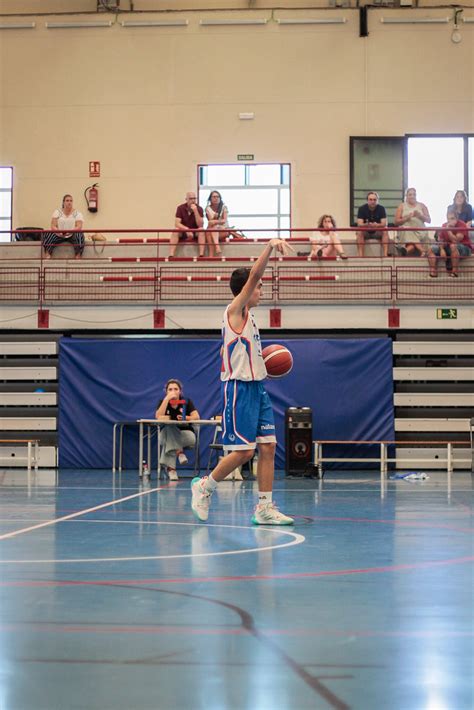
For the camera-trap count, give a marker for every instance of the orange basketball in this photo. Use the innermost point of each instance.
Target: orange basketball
(278, 360)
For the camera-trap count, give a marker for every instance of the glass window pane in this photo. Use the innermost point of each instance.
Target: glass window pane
(226, 174)
(284, 201)
(436, 170)
(5, 204)
(285, 174)
(251, 201)
(5, 225)
(284, 222)
(255, 223)
(264, 174)
(6, 177)
(377, 165)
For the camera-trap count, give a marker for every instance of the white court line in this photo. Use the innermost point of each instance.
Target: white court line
(297, 540)
(76, 515)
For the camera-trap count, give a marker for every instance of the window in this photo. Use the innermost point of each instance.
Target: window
(377, 164)
(436, 170)
(257, 195)
(6, 198)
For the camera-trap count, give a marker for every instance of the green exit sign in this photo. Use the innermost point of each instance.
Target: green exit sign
(446, 313)
(246, 156)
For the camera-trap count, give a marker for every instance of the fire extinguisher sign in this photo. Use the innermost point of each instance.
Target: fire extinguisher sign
(94, 168)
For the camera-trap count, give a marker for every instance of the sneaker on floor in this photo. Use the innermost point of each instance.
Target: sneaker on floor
(172, 475)
(268, 514)
(182, 458)
(201, 499)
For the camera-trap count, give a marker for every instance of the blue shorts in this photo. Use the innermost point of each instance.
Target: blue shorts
(247, 417)
(463, 250)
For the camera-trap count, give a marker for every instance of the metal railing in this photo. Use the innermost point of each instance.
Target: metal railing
(133, 266)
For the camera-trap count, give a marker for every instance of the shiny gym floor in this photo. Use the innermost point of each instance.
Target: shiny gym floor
(114, 597)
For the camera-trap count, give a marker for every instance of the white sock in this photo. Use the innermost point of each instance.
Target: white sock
(211, 484)
(264, 497)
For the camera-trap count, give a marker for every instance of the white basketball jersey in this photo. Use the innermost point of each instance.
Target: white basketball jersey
(242, 351)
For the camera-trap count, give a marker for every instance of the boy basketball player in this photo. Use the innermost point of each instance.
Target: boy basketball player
(248, 416)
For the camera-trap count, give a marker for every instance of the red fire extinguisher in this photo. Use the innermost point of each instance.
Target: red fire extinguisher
(92, 197)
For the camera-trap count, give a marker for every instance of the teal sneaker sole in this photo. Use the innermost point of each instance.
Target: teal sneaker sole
(255, 522)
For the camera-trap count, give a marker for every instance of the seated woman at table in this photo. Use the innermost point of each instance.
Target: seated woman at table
(176, 407)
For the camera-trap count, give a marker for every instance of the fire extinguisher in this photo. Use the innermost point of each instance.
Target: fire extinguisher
(92, 197)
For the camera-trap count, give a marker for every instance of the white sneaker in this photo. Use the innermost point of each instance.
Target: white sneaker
(182, 458)
(172, 475)
(201, 499)
(268, 514)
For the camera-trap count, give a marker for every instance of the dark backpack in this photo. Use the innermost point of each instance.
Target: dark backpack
(33, 235)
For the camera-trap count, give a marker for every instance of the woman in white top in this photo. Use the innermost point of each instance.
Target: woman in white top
(66, 226)
(216, 213)
(326, 243)
(413, 214)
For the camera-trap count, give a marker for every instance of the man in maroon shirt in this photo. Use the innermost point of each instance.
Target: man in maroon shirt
(189, 216)
(453, 244)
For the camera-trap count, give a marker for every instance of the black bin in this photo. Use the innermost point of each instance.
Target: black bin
(298, 439)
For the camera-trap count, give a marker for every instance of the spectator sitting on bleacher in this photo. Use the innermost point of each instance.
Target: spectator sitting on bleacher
(461, 207)
(412, 213)
(216, 213)
(453, 244)
(189, 217)
(373, 215)
(69, 220)
(326, 243)
(175, 439)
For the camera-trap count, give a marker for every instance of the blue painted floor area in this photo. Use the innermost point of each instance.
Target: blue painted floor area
(367, 602)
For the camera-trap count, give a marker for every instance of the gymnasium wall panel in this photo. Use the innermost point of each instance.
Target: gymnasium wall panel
(347, 383)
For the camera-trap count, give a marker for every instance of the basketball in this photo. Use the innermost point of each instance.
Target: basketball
(278, 360)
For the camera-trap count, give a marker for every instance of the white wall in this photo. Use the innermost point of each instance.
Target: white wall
(151, 104)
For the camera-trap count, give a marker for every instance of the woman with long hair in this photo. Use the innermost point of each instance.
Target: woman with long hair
(66, 228)
(216, 213)
(174, 439)
(326, 244)
(461, 207)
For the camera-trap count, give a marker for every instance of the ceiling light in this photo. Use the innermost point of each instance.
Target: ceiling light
(414, 20)
(154, 23)
(76, 25)
(311, 21)
(19, 26)
(215, 23)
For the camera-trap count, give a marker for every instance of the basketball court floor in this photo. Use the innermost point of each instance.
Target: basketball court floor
(113, 597)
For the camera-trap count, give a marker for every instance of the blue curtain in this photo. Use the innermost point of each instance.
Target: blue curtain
(348, 384)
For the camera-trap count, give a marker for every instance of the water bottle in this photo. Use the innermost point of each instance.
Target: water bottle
(145, 470)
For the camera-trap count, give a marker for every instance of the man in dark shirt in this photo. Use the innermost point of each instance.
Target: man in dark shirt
(189, 216)
(373, 215)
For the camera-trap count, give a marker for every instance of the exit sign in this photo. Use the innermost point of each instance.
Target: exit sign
(446, 313)
(246, 156)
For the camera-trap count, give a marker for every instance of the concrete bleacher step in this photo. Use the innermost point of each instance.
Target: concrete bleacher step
(33, 374)
(433, 399)
(30, 399)
(29, 363)
(432, 425)
(27, 424)
(412, 457)
(434, 395)
(12, 455)
(433, 348)
(459, 374)
(28, 348)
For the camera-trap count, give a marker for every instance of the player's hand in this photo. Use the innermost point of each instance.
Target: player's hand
(282, 246)
(180, 417)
